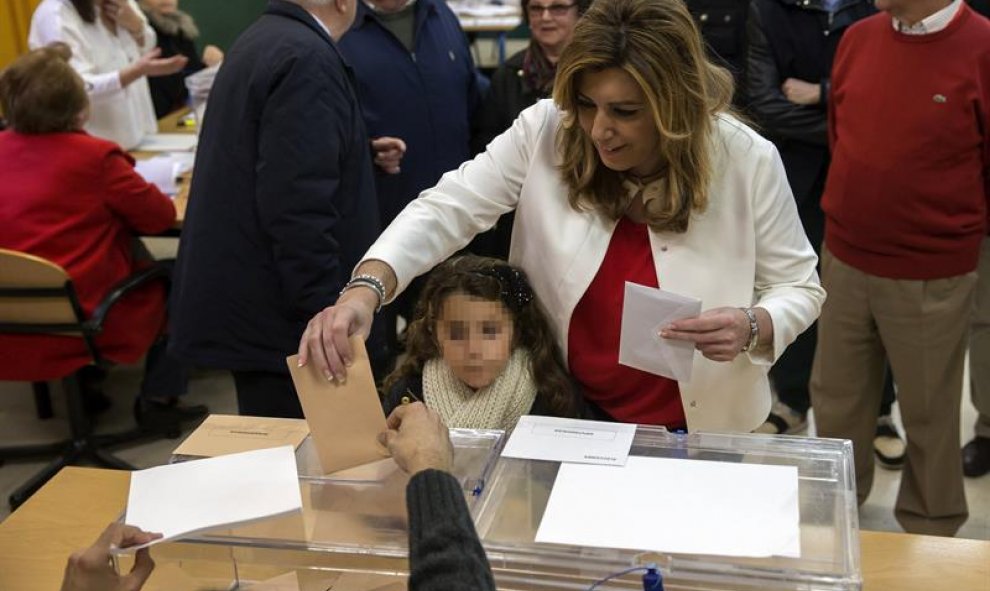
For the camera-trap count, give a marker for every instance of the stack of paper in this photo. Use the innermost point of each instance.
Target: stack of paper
(676, 506)
(164, 171)
(167, 142)
(181, 499)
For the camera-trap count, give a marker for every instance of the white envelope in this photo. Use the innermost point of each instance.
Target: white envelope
(645, 312)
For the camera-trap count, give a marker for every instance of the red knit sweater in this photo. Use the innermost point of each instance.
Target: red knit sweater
(909, 124)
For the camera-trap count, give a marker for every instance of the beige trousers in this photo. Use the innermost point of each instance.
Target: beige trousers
(979, 345)
(922, 328)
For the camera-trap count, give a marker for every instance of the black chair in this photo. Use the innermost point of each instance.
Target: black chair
(38, 297)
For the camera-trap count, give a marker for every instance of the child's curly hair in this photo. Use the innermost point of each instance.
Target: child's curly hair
(492, 280)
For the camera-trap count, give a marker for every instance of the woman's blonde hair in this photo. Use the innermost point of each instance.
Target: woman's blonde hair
(658, 44)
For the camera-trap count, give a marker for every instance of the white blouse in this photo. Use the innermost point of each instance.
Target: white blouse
(123, 115)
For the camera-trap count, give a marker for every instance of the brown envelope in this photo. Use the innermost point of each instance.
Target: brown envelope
(228, 434)
(344, 420)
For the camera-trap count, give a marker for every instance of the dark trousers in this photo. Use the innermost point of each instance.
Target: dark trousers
(164, 376)
(266, 394)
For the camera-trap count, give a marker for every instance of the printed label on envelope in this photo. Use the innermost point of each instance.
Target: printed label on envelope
(570, 440)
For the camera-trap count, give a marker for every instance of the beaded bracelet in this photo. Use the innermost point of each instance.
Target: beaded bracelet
(371, 281)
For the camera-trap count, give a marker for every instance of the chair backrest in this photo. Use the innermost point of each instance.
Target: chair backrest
(36, 294)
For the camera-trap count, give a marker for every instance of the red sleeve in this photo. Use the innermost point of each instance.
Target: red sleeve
(836, 78)
(984, 115)
(141, 206)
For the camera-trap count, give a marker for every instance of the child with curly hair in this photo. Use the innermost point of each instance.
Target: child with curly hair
(480, 350)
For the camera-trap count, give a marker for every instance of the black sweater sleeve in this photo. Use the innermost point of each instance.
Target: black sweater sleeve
(445, 553)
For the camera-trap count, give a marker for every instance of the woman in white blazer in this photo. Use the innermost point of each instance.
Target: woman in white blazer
(636, 139)
(113, 49)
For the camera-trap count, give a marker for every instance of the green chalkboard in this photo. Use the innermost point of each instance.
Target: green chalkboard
(221, 21)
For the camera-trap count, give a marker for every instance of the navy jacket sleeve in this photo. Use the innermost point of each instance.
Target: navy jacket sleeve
(445, 553)
(304, 129)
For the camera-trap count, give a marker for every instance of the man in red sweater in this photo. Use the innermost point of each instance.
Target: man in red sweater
(906, 210)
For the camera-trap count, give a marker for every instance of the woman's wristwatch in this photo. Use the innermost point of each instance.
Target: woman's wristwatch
(754, 330)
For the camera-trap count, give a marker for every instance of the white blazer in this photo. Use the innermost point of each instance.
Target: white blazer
(746, 249)
(122, 115)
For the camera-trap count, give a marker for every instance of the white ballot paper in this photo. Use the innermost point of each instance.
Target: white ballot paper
(645, 311)
(160, 171)
(570, 440)
(167, 142)
(180, 499)
(676, 506)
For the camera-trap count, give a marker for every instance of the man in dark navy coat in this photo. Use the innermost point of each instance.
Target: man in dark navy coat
(282, 204)
(419, 92)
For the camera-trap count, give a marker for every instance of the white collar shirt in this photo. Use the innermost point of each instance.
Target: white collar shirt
(932, 23)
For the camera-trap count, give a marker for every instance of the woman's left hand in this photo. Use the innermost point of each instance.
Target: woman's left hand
(720, 334)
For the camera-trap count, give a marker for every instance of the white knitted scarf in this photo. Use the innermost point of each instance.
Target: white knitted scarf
(496, 406)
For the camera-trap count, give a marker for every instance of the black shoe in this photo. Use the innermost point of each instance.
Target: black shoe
(976, 457)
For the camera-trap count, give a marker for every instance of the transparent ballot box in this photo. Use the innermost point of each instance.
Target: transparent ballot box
(514, 502)
(352, 532)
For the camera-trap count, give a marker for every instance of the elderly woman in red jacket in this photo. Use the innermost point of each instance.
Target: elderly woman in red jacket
(77, 201)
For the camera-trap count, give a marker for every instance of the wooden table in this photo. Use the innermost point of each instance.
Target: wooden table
(74, 507)
(172, 124)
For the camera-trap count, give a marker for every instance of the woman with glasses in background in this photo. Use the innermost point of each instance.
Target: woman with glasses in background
(517, 84)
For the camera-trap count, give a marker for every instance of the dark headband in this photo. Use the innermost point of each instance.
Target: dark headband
(514, 290)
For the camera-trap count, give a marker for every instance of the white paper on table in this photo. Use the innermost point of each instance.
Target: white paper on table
(570, 440)
(167, 142)
(159, 171)
(645, 312)
(180, 499)
(676, 506)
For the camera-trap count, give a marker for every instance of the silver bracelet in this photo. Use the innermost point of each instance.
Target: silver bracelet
(371, 281)
(754, 330)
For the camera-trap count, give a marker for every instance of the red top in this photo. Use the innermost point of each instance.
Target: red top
(907, 189)
(629, 395)
(76, 200)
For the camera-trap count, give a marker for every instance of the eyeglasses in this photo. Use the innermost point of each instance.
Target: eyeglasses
(536, 10)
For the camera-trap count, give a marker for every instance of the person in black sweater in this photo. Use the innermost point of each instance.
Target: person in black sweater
(517, 84)
(177, 35)
(480, 350)
(445, 553)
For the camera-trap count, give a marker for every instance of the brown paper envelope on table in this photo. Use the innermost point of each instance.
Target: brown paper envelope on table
(344, 419)
(227, 434)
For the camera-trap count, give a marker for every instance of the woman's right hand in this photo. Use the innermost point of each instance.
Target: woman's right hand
(325, 340)
(151, 65)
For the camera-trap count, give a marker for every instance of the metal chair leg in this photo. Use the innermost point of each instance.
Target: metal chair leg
(23, 492)
(43, 400)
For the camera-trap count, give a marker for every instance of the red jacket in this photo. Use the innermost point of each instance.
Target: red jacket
(76, 200)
